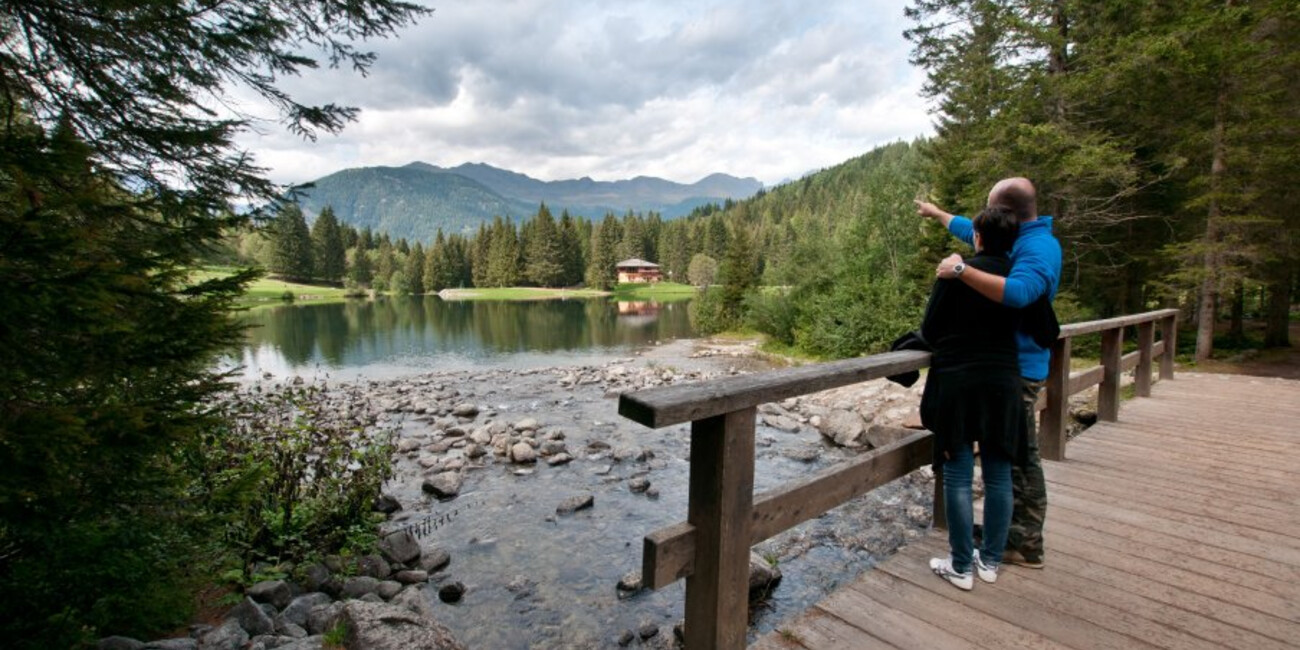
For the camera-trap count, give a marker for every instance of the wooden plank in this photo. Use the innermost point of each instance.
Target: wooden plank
(1085, 379)
(790, 505)
(1193, 528)
(669, 551)
(1079, 607)
(952, 613)
(911, 565)
(668, 555)
(818, 630)
(1234, 482)
(1091, 327)
(721, 498)
(1112, 343)
(1129, 456)
(896, 628)
(1161, 583)
(661, 407)
(1051, 432)
(1133, 445)
(1132, 598)
(1146, 344)
(1169, 337)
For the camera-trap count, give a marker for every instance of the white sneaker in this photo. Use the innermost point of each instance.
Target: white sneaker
(987, 572)
(942, 567)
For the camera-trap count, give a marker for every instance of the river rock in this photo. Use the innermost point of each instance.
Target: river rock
(248, 616)
(118, 643)
(388, 589)
(802, 454)
(229, 635)
(445, 485)
(374, 566)
(474, 450)
(387, 504)
(172, 644)
(318, 620)
(763, 577)
(527, 424)
(275, 592)
(880, 435)
(481, 436)
(559, 459)
(629, 584)
(638, 485)
(552, 447)
(400, 547)
(574, 504)
(451, 592)
(434, 560)
(298, 610)
(781, 422)
(383, 626)
(844, 428)
(523, 452)
(408, 444)
(464, 410)
(414, 599)
(358, 586)
(412, 576)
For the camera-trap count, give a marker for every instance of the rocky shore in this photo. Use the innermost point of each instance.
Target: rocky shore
(520, 498)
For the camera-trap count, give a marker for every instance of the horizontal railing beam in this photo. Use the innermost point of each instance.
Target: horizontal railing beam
(1094, 326)
(661, 407)
(669, 552)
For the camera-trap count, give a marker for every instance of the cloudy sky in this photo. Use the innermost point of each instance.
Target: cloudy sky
(614, 89)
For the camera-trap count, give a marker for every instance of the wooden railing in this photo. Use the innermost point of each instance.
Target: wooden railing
(724, 519)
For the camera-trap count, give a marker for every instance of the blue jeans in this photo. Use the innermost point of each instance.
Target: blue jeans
(958, 473)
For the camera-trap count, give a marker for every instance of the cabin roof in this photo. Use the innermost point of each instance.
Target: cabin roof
(636, 262)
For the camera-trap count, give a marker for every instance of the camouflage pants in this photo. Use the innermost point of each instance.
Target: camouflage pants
(1029, 488)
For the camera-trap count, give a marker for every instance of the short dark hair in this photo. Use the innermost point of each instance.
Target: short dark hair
(1020, 200)
(998, 228)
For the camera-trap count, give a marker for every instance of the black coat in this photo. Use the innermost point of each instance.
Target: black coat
(973, 392)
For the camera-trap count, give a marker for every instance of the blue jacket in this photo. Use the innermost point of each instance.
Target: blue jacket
(1035, 270)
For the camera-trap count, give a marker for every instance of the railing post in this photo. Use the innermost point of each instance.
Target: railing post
(721, 510)
(1051, 434)
(1146, 339)
(1108, 393)
(1168, 334)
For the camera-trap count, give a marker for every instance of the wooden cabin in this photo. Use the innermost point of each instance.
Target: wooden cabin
(638, 270)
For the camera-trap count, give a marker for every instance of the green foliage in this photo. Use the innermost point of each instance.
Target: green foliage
(292, 257)
(773, 313)
(297, 481)
(328, 252)
(709, 314)
(702, 271)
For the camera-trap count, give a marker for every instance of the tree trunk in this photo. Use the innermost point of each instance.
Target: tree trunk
(1210, 281)
(1237, 326)
(1277, 323)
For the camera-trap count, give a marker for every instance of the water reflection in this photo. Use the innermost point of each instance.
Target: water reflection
(394, 335)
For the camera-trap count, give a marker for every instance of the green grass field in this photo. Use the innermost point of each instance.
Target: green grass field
(659, 291)
(271, 291)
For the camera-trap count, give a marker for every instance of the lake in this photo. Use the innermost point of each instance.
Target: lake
(403, 335)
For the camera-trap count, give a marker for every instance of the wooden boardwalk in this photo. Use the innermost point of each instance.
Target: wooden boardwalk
(1176, 527)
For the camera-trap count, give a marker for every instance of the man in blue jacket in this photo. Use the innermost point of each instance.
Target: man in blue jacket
(1035, 272)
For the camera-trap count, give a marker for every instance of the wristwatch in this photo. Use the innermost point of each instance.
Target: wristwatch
(957, 270)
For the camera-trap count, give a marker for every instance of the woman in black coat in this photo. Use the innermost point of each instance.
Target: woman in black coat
(972, 396)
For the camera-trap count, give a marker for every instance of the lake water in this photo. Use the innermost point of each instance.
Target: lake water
(395, 336)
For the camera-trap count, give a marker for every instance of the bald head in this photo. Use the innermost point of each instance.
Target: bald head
(1017, 195)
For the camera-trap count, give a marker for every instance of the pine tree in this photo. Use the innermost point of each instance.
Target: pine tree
(328, 252)
(292, 255)
(570, 251)
(545, 266)
(414, 270)
(601, 273)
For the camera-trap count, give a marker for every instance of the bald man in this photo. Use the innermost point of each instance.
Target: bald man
(1035, 272)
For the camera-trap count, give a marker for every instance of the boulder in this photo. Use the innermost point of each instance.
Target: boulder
(451, 592)
(383, 626)
(880, 435)
(251, 618)
(445, 485)
(172, 644)
(561, 458)
(416, 600)
(274, 592)
(228, 636)
(523, 452)
(298, 610)
(388, 589)
(464, 410)
(316, 577)
(526, 424)
(844, 428)
(781, 422)
(400, 546)
(574, 504)
(358, 586)
(374, 566)
(412, 577)
(434, 560)
(318, 621)
(310, 643)
(638, 485)
(763, 576)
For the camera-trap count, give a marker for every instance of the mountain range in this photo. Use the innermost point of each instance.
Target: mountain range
(415, 200)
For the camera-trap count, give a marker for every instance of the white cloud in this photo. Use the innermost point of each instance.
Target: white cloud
(618, 89)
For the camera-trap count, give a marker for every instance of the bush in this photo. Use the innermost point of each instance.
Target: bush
(772, 313)
(292, 482)
(855, 318)
(709, 315)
